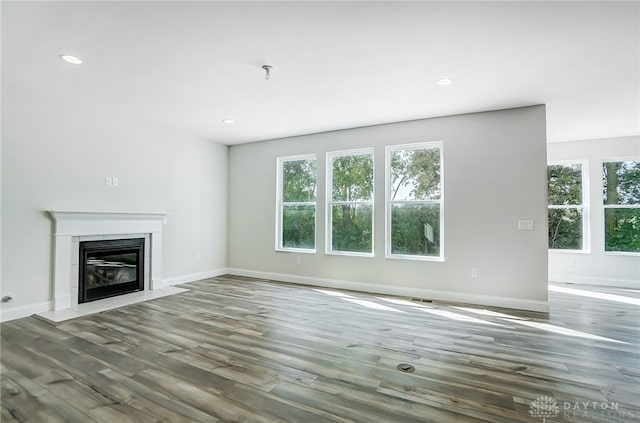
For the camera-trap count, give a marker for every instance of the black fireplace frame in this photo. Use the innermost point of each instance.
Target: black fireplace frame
(117, 246)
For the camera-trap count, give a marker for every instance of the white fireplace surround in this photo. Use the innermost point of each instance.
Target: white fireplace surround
(71, 227)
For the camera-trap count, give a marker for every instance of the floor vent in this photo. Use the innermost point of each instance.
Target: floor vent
(407, 368)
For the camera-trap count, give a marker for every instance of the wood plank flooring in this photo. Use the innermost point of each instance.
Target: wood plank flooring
(236, 349)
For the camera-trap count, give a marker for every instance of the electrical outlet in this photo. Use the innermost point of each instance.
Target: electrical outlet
(116, 181)
(298, 261)
(572, 262)
(198, 257)
(474, 273)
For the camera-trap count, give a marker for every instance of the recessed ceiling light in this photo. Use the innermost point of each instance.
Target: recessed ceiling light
(445, 81)
(228, 121)
(71, 59)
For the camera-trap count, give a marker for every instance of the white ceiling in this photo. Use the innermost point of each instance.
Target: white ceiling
(186, 66)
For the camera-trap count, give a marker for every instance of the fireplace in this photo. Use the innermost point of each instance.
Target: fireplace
(109, 268)
(73, 227)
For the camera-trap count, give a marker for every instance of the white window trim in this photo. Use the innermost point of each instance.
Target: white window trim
(621, 206)
(387, 194)
(280, 204)
(329, 203)
(586, 212)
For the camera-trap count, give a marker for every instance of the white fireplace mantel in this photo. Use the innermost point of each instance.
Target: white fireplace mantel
(70, 224)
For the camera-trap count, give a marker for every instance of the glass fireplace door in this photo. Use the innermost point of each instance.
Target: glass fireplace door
(110, 268)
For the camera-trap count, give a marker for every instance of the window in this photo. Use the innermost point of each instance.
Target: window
(414, 201)
(350, 202)
(567, 211)
(296, 203)
(621, 195)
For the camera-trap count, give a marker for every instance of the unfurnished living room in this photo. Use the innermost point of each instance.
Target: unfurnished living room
(331, 211)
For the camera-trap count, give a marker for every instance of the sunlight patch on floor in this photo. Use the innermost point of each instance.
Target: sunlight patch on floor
(402, 302)
(371, 304)
(490, 313)
(333, 293)
(456, 316)
(593, 294)
(563, 331)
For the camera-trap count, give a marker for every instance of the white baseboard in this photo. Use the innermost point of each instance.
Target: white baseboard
(457, 297)
(589, 280)
(192, 277)
(11, 313)
(18, 312)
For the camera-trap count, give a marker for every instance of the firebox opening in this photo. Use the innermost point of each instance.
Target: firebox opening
(110, 267)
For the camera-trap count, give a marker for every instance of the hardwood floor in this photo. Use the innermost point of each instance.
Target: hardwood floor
(237, 349)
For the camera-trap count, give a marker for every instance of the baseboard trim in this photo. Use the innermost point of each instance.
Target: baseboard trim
(588, 280)
(18, 312)
(192, 277)
(456, 297)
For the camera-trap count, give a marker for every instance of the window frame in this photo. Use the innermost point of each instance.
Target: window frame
(389, 149)
(330, 203)
(618, 206)
(280, 204)
(586, 234)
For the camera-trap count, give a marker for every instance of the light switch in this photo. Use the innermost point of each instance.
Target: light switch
(108, 181)
(525, 225)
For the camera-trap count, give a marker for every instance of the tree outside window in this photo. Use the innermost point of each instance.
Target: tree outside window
(296, 213)
(621, 197)
(414, 200)
(566, 199)
(350, 201)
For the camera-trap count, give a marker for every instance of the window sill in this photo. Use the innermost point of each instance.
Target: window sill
(621, 253)
(414, 258)
(295, 250)
(348, 254)
(556, 251)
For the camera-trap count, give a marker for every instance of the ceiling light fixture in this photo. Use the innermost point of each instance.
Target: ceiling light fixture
(445, 81)
(228, 121)
(267, 71)
(71, 59)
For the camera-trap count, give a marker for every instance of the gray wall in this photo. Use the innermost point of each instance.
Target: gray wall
(494, 175)
(595, 266)
(52, 161)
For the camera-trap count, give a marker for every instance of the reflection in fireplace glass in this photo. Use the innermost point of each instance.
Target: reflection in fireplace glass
(111, 269)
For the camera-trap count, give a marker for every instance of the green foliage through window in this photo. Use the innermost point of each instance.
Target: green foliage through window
(416, 229)
(351, 201)
(565, 229)
(298, 227)
(621, 198)
(415, 200)
(415, 174)
(352, 228)
(565, 199)
(297, 202)
(299, 180)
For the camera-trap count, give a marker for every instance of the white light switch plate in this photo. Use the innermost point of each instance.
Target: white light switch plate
(525, 225)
